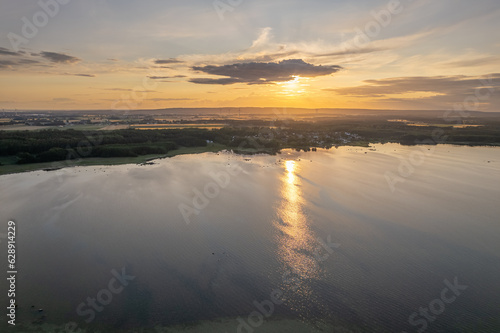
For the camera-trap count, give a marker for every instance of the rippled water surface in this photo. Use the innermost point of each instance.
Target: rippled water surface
(340, 240)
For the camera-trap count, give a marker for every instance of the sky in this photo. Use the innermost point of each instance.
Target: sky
(153, 54)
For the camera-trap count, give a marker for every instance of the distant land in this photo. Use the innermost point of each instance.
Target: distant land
(264, 110)
(33, 140)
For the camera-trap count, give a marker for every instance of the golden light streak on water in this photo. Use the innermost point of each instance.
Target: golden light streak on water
(295, 240)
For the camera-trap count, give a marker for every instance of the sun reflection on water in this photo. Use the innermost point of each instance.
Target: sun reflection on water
(290, 167)
(296, 242)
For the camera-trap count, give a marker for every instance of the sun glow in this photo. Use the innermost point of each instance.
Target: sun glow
(293, 87)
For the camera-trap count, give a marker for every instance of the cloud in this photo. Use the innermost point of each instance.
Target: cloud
(443, 85)
(127, 89)
(62, 100)
(27, 61)
(118, 89)
(475, 62)
(430, 92)
(350, 50)
(216, 81)
(168, 61)
(356, 45)
(84, 75)
(7, 63)
(4, 51)
(262, 49)
(169, 99)
(59, 57)
(262, 73)
(165, 77)
(263, 39)
(16, 62)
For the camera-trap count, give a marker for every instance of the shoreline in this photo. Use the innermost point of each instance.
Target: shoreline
(10, 169)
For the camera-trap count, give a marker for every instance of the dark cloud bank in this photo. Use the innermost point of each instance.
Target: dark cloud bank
(168, 61)
(59, 57)
(458, 85)
(12, 60)
(262, 73)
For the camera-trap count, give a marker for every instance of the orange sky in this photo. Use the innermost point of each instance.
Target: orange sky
(326, 54)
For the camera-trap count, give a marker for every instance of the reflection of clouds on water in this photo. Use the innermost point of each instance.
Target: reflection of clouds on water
(327, 201)
(53, 215)
(52, 219)
(325, 196)
(57, 223)
(149, 172)
(390, 256)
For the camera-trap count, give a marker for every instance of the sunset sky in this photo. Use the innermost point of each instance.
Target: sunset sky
(113, 54)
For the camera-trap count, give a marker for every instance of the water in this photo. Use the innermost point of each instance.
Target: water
(304, 242)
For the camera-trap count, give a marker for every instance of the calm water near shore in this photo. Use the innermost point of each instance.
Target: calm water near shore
(341, 240)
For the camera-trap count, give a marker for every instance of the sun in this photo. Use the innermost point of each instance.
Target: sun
(293, 87)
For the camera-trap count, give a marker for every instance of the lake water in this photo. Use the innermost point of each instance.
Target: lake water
(387, 239)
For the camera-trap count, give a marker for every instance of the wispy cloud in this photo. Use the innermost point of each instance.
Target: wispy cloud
(474, 62)
(445, 85)
(5, 51)
(168, 61)
(62, 100)
(59, 57)
(127, 89)
(265, 49)
(166, 77)
(168, 99)
(7, 63)
(428, 92)
(83, 75)
(15, 63)
(431, 51)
